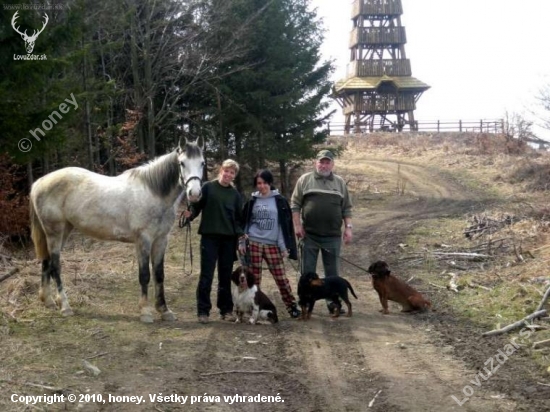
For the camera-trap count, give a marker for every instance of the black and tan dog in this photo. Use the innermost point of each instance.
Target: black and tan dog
(311, 288)
(391, 288)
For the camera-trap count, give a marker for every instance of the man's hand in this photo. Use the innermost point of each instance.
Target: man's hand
(348, 235)
(299, 231)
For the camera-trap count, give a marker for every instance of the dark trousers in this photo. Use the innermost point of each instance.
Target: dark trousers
(220, 249)
(330, 252)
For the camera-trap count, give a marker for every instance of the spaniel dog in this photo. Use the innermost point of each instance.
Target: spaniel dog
(311, 288)
(249, 299)
(391, 288)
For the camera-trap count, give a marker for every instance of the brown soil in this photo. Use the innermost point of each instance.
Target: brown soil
(396, 362)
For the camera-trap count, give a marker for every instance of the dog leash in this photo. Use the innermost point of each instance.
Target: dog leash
(329, 252)
(185, 223)
(244, 260)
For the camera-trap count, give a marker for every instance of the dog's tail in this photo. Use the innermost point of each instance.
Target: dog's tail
(351, 289)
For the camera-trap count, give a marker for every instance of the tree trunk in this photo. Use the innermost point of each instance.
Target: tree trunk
(30, 176)
(285, 179)
(88, 125)
(222, 137)
(148, 86)
(136, 78)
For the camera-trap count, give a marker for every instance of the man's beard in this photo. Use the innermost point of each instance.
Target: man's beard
(324, 173)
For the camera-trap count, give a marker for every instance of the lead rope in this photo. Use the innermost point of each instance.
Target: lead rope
(338, 256)
(186, 223)
(298, 270)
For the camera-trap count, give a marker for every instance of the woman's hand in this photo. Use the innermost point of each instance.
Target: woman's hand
(242, 244)
(285, 253)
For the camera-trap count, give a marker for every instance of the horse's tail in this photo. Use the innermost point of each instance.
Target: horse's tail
(37, 234)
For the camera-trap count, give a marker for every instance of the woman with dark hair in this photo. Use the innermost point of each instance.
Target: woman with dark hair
(268, 226)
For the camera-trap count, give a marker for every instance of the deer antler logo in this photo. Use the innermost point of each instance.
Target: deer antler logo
(29, 40)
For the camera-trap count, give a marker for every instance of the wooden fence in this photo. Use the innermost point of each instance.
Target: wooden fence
(476, 126)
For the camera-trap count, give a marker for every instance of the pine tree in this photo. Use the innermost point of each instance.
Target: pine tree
(272, 111)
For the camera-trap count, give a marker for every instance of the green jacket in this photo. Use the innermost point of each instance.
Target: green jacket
(324, 202)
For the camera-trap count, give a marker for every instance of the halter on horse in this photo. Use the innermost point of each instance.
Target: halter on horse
(137, 207)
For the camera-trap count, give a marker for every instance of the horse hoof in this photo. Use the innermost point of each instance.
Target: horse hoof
(67, 312)
(168, 316)
(146, 318)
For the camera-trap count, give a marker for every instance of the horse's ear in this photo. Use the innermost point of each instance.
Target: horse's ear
(179, 149)
(200, 142)
(184, 141)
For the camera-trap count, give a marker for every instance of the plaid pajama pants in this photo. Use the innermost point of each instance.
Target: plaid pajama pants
(275, 264)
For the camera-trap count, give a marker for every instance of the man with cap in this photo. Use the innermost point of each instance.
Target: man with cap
(320, 206)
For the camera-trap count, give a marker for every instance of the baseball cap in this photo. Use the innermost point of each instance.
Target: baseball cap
(325, 154)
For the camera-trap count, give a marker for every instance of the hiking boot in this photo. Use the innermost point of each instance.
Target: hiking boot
(228, 317)
(203, 319)
(294, 312)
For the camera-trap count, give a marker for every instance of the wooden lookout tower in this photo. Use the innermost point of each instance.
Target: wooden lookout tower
(379, 92)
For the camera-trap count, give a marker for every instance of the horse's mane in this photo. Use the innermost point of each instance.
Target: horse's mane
(160, 175)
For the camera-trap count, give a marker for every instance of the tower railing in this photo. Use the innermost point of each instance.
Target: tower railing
(377, 35)
(376, 68)
(376, 8)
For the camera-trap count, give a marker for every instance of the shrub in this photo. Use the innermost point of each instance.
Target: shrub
(14, 201)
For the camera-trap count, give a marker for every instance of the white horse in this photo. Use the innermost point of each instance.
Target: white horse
(138, 206)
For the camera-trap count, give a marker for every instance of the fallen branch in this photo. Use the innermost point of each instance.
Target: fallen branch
(541, 344)
(461, 254)
(233, 371)
(36, 385)
(373, 399)
(98, 355)
(437, 286)
(475, 285)
(9, 274)
(515, 325)
(544, 299)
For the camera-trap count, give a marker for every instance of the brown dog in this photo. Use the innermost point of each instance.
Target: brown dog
(391, 288)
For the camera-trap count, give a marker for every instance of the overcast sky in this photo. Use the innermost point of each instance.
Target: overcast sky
(482, 58)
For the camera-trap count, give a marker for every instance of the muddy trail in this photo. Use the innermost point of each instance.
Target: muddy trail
(369, 362)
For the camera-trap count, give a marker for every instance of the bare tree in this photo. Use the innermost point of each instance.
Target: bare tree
(171, 53)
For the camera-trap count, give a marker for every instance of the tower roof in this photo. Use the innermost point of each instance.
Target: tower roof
(405, 83)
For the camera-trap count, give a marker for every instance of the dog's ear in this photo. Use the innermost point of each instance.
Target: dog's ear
(371, 267)
(250, 278)
(312, 275)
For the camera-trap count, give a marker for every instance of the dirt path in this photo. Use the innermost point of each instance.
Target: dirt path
(344, 365)
(370, 362)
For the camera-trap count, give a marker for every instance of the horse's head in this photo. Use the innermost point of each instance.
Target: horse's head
(191, 163)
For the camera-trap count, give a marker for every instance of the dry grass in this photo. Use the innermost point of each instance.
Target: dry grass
(514, 181)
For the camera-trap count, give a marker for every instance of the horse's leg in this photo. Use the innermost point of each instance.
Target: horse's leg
(62, 300)
(45, 288)
(143, 252)
(52, 268)
(55, 273)
(157, 259)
